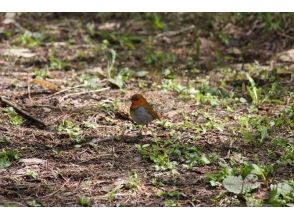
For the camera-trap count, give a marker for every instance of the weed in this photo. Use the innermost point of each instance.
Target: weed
(159, 157)
(215, 178)
(159, 57)
(116, 78)
(89, 125)
(84, 201)
(111, 195)
(14, 118)
(91, 81)
(31, 174)
(255, 128)
(57, 64)
(254, 92)
(33, 203)
(7, 157)
(156, 21)
(170, 203)
(43, 74)
(133, 181)
(281, 194)
(174, 193)
(70, 129)
(29, 39)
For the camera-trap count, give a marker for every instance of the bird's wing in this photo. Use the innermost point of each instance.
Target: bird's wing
(154, 114)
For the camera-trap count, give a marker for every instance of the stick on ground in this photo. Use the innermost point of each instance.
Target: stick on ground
(23, 113)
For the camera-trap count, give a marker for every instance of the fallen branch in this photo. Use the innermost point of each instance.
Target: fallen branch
(23, 113)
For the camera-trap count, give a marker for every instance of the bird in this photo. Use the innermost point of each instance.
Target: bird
(141, 111)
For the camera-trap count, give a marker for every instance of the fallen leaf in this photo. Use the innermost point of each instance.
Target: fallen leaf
(45, 84)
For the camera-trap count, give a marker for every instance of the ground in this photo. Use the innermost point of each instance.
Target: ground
(224, 92)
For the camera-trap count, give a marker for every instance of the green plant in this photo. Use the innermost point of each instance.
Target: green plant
(133, 181)
(108, 107)
(70, 129)
(253, 202)
(241, 185)
(89, 125)
(29, 39)
(256, 128)
(156, 21)
(159, 157)
(248, 178)
(7, 157)
(33, 203)
(173, 193)
(91, 81)
(84, 201)
(14, 118)
(39, 73)
(170, 203)
(159, 57)
(31, 174)
(112, 194)
(288, 155)
(281, 194)
(215, 178)
(57, 64)
(254, 92)
(116, 78)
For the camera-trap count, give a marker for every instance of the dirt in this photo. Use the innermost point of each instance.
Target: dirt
(98, 165)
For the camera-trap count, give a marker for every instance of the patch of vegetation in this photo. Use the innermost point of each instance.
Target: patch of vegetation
(70, 129)
(14, 118)
(7, 157)
(84, 201)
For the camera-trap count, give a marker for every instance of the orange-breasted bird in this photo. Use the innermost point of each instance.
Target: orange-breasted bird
(141, 111)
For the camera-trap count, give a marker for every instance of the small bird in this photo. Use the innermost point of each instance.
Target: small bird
(141, 111)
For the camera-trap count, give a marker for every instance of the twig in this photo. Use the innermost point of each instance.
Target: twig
(85, 92)
(285, 35)
(65, 90)
(25, 114)
(173, 33)
(53, 193)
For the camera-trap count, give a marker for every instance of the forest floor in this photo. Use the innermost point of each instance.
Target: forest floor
(225, 97)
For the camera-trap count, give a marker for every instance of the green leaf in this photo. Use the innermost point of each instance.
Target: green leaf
(204, 159)
(263, 133)
(250, 183)
(6, 157)
(117, 82)
(4, 162)
(237, 185)
(246, 170)
(233, 184)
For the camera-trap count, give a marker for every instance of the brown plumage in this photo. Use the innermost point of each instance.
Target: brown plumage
(141, 111)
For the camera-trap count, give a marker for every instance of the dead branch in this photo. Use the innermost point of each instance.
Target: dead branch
(23, 113)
